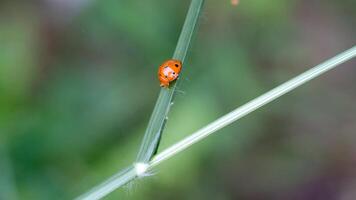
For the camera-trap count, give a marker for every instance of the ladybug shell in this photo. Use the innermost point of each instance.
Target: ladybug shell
(169, 71)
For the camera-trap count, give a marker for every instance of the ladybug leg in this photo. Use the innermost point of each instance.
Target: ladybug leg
(164, 81)
(164, 84)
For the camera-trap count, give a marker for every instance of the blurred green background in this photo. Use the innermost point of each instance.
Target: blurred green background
(78, 83)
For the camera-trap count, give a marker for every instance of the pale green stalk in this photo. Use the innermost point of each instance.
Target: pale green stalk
(140, 169)
(158, 118)
(253, 105)
(108, 186)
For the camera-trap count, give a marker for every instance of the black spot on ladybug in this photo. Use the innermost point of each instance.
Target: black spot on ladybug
(166, 76)
(166, 67)
(176, 65)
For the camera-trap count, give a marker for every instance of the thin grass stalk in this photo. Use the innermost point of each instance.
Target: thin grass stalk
(158, 118)
(140, 169)
(253, 105)
(116, 181)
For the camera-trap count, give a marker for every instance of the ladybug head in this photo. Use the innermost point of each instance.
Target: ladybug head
(173, 75)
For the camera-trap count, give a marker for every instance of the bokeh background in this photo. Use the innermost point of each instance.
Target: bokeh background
(78, 83)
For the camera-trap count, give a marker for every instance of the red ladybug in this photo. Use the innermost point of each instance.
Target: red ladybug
(169, 71)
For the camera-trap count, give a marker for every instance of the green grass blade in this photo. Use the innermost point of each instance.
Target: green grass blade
(158, 118)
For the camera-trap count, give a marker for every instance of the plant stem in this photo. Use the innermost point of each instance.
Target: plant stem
(111, 184)
(158, 118)
(133, 172)
(253, 105)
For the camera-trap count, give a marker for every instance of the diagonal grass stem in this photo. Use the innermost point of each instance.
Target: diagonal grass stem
(254, 105)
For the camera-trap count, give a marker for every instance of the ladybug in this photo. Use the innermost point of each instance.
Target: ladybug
(169, 71)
